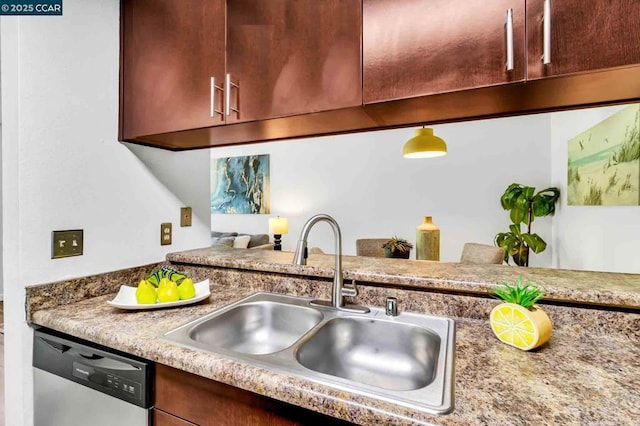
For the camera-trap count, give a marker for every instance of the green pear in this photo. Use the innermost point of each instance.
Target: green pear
(168, 292)
(145, 293)
(186, 289)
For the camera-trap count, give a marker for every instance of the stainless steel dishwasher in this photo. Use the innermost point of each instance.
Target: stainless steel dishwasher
(79, 383)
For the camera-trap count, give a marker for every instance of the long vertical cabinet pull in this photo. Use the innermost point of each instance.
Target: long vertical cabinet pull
(213, 111)
(508, 25)
(546, 33)
(228, 86)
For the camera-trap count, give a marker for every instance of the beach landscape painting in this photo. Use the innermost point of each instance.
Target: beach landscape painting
(240, 185)
(604, 162)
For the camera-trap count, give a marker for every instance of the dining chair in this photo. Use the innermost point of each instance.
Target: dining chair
(481, 253)
(371, 247)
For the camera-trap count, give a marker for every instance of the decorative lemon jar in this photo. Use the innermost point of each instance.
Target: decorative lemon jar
(427, 240)
(518, 321)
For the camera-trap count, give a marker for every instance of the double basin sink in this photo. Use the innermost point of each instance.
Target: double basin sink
(406, 359)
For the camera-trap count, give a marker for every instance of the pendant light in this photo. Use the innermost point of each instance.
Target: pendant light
(424, 145)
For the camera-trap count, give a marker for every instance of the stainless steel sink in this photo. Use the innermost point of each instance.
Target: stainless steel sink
(268, 324)
(374, 352)
(407, 359)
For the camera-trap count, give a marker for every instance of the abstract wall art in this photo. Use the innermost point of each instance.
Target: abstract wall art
(604, 162)
(240, 185)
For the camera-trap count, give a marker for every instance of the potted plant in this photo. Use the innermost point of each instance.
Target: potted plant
(518, 321)
(524, 206)
(397, 247)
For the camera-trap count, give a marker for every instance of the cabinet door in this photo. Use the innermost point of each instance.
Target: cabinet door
(293, 57)
(160, 418)
(422, 47)
(583, 35)
(209, 403)
(170, 51)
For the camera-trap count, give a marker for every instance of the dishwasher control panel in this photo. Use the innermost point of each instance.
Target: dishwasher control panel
(129, 389)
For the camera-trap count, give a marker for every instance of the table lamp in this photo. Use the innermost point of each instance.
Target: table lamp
(278, 226)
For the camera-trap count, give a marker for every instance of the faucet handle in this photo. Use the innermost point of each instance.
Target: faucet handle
(392, 307)
(351, 291)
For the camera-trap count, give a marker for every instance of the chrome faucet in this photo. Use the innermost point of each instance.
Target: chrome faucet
(339, 291)
(391, 308)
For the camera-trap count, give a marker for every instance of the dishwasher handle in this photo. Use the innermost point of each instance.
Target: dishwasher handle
(57, 346)
(95, 360)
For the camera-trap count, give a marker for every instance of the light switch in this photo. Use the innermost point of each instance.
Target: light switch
(66, 243)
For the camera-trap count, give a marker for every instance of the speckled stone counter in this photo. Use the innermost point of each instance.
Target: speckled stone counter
(561, 285)
(587, 374)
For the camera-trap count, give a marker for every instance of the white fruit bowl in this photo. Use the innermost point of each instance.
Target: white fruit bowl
(126, 298)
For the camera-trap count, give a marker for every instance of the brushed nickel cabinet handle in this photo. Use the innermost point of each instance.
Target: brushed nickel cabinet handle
(508, 25)
(546, 33)
(213, 111)
(228, 85)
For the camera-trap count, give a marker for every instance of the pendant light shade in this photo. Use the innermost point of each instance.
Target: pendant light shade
(424, 145)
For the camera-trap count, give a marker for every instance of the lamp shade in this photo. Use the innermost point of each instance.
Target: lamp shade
(424, 145)
(278, 225)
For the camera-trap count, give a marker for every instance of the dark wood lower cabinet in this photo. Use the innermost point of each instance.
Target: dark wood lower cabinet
(183, 399)
(160, 418)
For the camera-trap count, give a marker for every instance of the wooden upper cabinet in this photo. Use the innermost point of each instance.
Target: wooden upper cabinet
(423, 47)
(170, 50)
(582, 35)
(293, 57)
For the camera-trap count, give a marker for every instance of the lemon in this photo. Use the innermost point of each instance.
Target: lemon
(186, 290)
(145, 293)
(517, 326)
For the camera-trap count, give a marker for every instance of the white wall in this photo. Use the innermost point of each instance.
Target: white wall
(597, 238)
(372, 191)
(62, 168)
(1, 249)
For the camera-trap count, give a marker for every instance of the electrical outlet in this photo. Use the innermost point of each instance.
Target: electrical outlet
(165, 234)
(185, 216)
(66, 243)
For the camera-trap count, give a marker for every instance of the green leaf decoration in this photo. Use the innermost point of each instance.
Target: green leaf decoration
(161, 272)
(525, 295)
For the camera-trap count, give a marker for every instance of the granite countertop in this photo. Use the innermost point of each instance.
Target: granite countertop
(575, 379)
(577, 287)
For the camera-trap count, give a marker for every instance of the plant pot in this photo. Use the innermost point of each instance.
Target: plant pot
(397, 254)
(520, 327)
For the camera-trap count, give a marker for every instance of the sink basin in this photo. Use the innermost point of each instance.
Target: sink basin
(374, 352)
(256, 328)
(407, 360)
